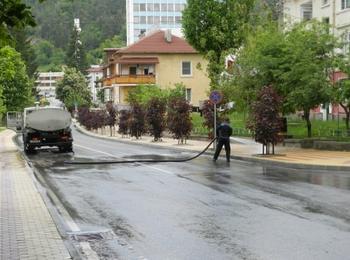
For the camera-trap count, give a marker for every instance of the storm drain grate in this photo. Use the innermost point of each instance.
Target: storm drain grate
(92, 235)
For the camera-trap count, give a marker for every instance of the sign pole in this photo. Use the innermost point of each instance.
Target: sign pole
(215, 97)
(214, 129)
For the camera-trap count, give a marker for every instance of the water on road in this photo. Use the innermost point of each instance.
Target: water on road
(198, 209)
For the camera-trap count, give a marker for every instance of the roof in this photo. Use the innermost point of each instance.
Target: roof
(137, 60)
(156, 43)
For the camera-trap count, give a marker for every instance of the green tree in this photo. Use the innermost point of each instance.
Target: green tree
(48, 57)
(342, 87)
(95, 56)
(14, 81)
(216, 28)
(307, 66)
(73, 89)
(260, 63)
(14, 13)
(142, 94)
(2, 105)
(24, 46)
(297, 62)
(76, 57)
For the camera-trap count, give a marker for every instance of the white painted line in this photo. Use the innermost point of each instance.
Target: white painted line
(112, 155)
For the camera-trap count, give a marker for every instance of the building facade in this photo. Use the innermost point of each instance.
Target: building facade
(161, 59)
(143, 16)
(334, 12)
(95, 74)
(46, 83)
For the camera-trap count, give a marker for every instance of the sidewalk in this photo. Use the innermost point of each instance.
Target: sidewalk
(247, 150)
(27, 230)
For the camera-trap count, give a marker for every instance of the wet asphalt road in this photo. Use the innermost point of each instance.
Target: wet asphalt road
(198, 209)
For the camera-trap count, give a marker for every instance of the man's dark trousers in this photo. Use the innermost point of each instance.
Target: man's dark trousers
(223, 142)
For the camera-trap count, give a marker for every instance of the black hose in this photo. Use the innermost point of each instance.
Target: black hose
(143, 160)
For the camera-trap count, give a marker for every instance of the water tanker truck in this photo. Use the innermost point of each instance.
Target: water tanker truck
(47, 126)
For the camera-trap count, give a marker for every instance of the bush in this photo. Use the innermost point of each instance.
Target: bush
(111, 117)
(124, 122)
(179, 119)
(265, 121)
(137, 122)
(156, 117)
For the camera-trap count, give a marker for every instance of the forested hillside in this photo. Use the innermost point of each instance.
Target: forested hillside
(100, 20)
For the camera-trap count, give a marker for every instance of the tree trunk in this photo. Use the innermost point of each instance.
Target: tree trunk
(347, 118)
(308, 123)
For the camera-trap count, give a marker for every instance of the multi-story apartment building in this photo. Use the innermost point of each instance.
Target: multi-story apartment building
(95, 73)
(334, 12)
(143, 16)
(159, 58)
(46, 83)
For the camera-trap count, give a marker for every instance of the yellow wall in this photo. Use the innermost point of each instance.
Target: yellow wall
(124, 94)
(168, 72)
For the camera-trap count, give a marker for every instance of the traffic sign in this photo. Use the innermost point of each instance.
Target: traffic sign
(215, 97)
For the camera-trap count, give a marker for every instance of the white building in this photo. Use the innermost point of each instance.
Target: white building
(334, 12)
(143, 16)
(46, 83)
(95, 73)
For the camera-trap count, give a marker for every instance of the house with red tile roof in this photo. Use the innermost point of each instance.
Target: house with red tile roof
(161, 59)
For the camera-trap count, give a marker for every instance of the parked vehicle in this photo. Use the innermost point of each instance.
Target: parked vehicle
(47, 126)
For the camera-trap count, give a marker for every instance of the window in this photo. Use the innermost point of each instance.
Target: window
(325, 2)
(306, 11)
(164, 20)
(142, 7)
(150, 19)
(136, 7)
(171, 19)
(171, 7)
(132, 70)
(156, 20)
(142, 19)
(188, 94)
(345, 4)
(149, 7)
(186, 69)
(156, 8)
(178, 19)
(136, 19)
(178, 7)
(325, 20)
(164, 7)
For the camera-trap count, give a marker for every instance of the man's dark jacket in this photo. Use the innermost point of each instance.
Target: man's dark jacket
(224, 131)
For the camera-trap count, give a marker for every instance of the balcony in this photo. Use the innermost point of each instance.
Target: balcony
(130, 79)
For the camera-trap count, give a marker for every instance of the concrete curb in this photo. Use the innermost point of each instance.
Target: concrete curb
(261, 161)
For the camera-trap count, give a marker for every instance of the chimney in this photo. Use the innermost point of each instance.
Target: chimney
(167, 36)
(142, 34)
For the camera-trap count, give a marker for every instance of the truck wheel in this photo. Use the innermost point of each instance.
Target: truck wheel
(28, 149)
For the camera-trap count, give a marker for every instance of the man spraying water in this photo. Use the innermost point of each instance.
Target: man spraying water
(223, 132)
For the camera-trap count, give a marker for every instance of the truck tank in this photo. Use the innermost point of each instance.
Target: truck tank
(47, 119)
